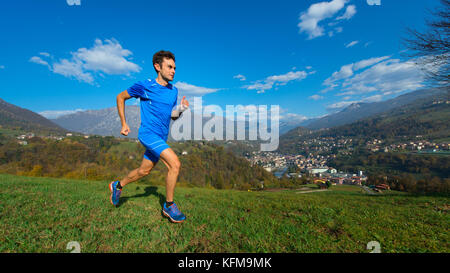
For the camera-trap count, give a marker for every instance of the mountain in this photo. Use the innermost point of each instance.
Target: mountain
(357, 111)
(428, 117)
(14, 117)
(104, 122)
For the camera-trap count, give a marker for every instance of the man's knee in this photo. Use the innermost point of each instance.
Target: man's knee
(143, 172)
(175, 166)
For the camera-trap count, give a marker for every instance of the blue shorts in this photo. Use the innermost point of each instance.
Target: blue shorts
(154, 145)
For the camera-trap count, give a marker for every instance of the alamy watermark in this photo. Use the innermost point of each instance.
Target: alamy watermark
(73, 2)
(374, 246)
(74, 246)
(374, 2)
(237, 122)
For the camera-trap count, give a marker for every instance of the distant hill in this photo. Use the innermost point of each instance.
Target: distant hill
(204, 164)
(428, 117)
(357, 111)
(106, 122)
(14, 117)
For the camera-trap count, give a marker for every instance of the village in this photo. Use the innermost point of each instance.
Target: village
(320, 151)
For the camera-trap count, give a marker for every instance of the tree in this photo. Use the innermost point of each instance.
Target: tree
(430, 49)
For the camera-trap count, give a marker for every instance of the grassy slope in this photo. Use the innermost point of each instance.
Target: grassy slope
(44, 214)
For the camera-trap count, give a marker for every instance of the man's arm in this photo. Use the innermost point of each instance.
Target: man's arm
(121, 98)
(176, 114)
(175, 118)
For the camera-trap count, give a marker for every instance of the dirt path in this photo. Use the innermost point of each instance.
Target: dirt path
(369, 191)
(310, 191)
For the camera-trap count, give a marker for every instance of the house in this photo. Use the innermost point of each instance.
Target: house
(318, 170)
(383, 187)
(337, 180)
(332, 170)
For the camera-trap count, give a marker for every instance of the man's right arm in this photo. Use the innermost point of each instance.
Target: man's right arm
(121, 98)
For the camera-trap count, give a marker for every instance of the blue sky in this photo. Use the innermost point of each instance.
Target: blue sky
(309, 57)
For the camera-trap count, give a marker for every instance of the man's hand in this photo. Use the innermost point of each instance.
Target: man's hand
(125, 130)
(184, 102)
(121, 98)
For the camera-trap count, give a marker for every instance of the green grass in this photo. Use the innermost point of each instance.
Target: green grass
(123, 146)
(11, 133)
(44, 214)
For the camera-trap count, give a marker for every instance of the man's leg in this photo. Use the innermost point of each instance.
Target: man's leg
(172, 162)
(136, 174)
(115, 187)
(170, 209)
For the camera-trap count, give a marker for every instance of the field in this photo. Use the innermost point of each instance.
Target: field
(45, 214)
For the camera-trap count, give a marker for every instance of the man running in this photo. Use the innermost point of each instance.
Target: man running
(158, 98)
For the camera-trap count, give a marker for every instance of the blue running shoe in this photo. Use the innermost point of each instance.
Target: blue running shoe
(115, 193)
(173, 213)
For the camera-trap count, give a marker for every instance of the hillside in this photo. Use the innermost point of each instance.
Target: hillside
(428, 117)
(17, 118)
(203, 164)
(358, 111)
(104, 122)
(45, 214)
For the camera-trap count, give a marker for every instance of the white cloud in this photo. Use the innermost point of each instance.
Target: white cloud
(189, 90)
(391, 76)
(348, 70)
(292, 117)
(240, 77)
(345, 72)
(349, 12)
(382, 77)
(374, 98)
(106, 57)
(269, 82)
(309, 20)
(351, 44)
(52, 114)
(329, 88)
(340, 105)
(72, 69)
(316, 97)
(368, 62)
(38, 60)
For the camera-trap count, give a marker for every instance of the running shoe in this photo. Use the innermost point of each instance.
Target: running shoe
(115, 193)
(173, 213)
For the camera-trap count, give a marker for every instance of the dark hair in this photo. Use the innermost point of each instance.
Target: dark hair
(159, 56)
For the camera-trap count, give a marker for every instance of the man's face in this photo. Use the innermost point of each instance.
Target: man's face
(167, 69)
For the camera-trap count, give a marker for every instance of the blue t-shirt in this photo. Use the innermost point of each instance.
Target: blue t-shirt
(157, 103)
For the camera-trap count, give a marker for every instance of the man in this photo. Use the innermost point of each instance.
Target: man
(158, 98)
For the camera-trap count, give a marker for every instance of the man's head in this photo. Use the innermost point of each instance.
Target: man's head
(164, 64)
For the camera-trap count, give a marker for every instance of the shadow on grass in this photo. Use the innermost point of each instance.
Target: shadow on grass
(151, 190)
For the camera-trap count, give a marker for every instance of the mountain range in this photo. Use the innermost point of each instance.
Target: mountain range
(357, 111)
(14, 117)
